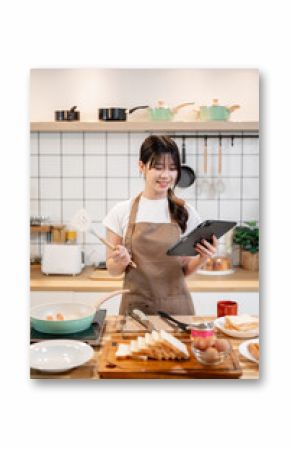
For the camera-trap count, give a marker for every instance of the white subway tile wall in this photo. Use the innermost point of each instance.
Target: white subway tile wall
(70, 171)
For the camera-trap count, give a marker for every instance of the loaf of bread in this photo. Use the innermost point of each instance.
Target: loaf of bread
(241, 322)
(158, 345)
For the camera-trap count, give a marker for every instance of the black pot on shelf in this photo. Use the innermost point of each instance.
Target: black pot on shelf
(70, 115)
(117, 114)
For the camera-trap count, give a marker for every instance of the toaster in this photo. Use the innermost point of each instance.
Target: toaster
(62, 259)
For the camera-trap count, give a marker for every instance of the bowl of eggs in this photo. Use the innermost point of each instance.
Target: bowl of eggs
(211, 350)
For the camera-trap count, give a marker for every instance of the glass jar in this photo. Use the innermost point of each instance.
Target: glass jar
(222, 261)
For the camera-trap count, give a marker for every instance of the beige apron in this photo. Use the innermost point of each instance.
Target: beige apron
(158, 281)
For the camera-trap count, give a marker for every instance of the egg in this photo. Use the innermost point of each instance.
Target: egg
(222, 345)
(203, 344)
(198, 342)
(211, 341)
(210, 355)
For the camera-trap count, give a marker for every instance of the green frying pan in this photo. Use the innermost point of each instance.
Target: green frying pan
(74, 317)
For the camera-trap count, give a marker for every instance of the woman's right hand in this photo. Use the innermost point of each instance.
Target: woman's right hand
(120, 255)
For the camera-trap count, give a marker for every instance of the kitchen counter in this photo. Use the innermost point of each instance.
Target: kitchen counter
(93, 280)
(113, 325)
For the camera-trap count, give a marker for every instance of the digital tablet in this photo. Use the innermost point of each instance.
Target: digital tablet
(185, 246)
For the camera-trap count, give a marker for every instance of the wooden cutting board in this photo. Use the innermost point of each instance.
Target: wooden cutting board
(112, 368)
(104, 275)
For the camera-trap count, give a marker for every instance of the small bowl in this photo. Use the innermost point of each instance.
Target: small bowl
(203, 357)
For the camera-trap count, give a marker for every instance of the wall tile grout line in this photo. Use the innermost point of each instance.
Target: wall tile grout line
(61, 176)
(196, 165)
(39, 190)
(135, 177)
(84, 237)
(242, 182)
(128, 164)
(106, 171)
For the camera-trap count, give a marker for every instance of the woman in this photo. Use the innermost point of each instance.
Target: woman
(143, 228)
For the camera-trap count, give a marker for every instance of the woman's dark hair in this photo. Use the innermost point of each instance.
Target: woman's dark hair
(150, 152)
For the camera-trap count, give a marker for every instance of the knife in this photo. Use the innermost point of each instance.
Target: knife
(143, 319)
(185, 327)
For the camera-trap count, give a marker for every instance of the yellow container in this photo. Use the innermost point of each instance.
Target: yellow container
(71, 236)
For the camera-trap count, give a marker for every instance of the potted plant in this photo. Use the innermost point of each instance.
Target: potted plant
(247, 237)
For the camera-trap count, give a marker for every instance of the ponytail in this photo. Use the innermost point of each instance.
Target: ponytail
(177, 210)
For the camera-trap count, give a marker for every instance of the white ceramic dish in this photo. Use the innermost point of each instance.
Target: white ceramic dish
(59, 355)
(243, 349)
(219, 323)
(215, 273)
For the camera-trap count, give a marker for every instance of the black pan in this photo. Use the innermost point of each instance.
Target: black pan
(70, 115)
(187, 177)
(117, 114)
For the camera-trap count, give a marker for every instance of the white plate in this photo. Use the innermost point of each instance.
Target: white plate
(219, 323)
(59, 355)
(215, 273)
(243, 348)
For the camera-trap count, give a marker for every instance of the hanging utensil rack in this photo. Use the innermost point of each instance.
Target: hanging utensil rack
(214, 136)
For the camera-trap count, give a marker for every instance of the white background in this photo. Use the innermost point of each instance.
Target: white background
(148, 34)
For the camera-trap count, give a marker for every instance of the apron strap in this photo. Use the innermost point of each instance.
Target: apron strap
(131, 223)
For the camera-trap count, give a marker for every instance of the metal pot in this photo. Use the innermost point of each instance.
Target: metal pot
(216, 112)
(70, 115)
(77, 317)
(163, 112)
(117, 114)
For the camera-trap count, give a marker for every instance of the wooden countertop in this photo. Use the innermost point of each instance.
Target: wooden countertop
(92, 280)
(113, 325)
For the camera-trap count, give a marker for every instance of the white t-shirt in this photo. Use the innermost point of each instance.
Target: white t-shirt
(149, 211)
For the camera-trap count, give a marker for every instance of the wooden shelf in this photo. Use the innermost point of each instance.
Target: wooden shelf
(44, 228)
(143, 126)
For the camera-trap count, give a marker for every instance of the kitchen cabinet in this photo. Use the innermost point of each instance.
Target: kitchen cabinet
(206, 303)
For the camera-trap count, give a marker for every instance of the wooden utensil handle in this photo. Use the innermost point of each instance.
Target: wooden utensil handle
(112, 247)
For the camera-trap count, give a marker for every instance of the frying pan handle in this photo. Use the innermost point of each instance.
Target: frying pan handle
(183, 151)
(109, 296)
(165, 315)
(137, 107)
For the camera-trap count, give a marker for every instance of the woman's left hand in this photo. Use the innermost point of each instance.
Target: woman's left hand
(206, 249)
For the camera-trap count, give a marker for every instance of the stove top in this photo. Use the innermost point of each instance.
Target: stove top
(92, 335)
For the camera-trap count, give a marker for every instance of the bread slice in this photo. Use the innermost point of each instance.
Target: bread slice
(156, 350)
(165, 351)
(174, 344)
(123, 351)
(158, 345)
(143, 348)
(241, 322)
